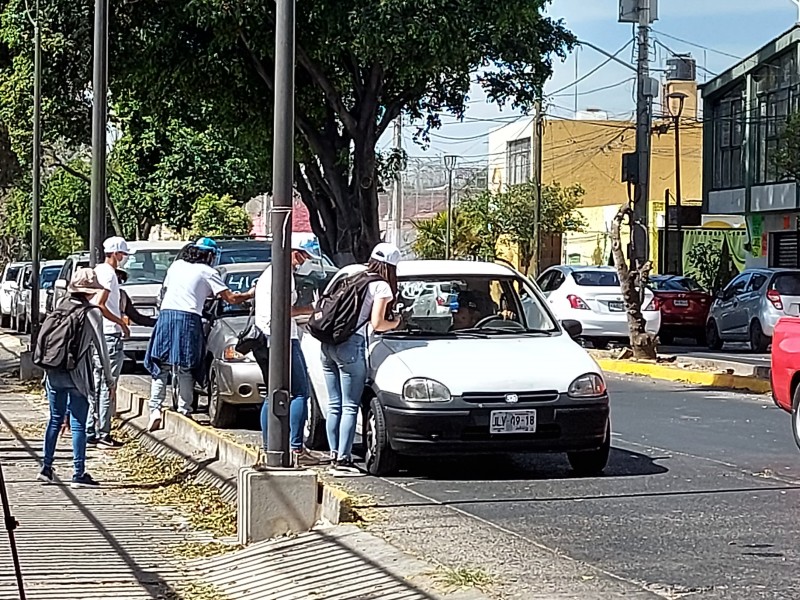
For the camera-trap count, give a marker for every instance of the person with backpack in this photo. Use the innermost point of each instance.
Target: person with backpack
(298, 376)
(362, 300)
(64, 351)
(178, 340)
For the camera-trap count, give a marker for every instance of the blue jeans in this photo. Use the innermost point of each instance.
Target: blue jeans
(65, 398)
(298, 406)
(104, 406)
(345, 370)
(185, 383)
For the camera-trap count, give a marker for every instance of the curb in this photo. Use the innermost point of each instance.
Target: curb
(335, 505)
(669, 373)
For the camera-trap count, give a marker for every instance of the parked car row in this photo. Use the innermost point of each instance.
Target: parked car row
(15, 292)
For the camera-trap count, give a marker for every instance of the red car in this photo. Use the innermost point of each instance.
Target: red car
(785, 372)
(684, 308)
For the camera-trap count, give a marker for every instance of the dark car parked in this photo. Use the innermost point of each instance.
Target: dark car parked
(684, 307)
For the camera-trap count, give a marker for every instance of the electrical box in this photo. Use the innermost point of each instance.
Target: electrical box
(630, 168)
(629, 11)
(681, 67)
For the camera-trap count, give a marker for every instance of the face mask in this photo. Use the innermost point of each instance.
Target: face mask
(305, 269)
(122, 261)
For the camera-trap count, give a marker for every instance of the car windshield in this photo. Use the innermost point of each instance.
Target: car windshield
(149, 266)
(674, 284)
(596, 278)
(48, 276)
(470, 305)
(245, 253)
(239, 282)
(787, 284)
(12, 273)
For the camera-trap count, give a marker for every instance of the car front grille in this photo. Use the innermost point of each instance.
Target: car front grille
(503, 397)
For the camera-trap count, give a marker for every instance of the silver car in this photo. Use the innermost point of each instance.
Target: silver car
(748, 308)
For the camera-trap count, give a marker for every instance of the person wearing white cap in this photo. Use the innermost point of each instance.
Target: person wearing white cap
(114, 329)
(345, 365)
(298, 407)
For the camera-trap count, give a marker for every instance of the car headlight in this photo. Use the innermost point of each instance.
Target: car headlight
(421, 389)
(590, 385)
(231, 355)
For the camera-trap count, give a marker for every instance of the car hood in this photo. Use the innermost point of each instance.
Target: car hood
(498, 364)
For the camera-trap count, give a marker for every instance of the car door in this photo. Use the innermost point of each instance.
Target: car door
(749, 303)
(728, 309)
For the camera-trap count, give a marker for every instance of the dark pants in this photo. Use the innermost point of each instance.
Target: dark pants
(298, 406)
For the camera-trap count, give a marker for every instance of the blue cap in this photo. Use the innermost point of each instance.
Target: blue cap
(206, 243)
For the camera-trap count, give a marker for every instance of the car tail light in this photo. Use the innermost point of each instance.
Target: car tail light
(655, 304)
(774, 296)
(577, 303)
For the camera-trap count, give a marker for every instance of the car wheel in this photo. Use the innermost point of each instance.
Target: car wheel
(713, 340)
(316, 435)
(600, 344)
(220, 413)
(796, 415)
(380, 459)
(758, 341)
(591, 462)
(667, 339)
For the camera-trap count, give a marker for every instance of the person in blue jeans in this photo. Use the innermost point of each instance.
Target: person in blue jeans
(298, 386)
(345, 365)
(68, 392)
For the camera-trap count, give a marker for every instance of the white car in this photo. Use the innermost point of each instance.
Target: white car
(502, 385)
(592, 296)
(48, 273)
(8, 288)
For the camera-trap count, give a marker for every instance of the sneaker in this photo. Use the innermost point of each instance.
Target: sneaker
(109, 442)
(46, 475)
(303, 458)
(155, 421)
(345, 468)
(91, 441)
(84, 481)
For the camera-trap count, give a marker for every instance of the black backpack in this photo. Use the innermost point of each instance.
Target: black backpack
(59, 343)
(335, 317)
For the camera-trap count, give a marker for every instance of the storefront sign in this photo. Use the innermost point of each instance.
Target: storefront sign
(755, 228)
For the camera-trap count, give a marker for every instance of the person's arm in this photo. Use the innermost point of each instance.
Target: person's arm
(134, 315)
(95, 324)
(378, 318)
(102, 304)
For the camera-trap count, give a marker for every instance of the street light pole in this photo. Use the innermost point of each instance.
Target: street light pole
(282, 177)
(449, 164)
(36, 245)
(680, 98)
(97, 213)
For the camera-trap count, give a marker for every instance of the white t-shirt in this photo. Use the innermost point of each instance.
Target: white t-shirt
(376, 290)
(107, 277)
(189, 285)
(263, 300)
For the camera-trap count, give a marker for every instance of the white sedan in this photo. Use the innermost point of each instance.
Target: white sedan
(511, 383)
(592, 296)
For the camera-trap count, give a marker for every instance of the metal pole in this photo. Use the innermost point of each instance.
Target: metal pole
(99, 119)
(398, 185)
(678, 187)
(282, 172)
(449, 232)
(37, 181)
(665, 245)
(640, 229)
(11, 525)
(537, 248)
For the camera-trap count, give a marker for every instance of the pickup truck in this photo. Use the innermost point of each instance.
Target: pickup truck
(785, 371)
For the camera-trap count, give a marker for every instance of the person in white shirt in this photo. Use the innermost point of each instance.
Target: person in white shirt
(101, 406)
(299, 387)
(345, 365)
(178, 342)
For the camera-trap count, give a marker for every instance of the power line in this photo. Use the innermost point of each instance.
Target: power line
(592, 72)
(696, 45)
(600, 89)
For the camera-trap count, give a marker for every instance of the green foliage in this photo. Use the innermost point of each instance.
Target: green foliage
(788, 157)
(705, 259)
(218, 216)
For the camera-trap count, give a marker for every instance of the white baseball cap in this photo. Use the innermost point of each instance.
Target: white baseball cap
(116, 244)
(386, 253)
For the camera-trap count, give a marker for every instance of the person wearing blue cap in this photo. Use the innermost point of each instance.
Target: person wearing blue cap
(178, 342)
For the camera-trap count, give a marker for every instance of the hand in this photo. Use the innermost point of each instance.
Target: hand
(508, 315)
(126, 331)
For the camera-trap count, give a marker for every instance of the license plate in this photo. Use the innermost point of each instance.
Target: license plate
(513, 421)
(616, 306)
(683, 303)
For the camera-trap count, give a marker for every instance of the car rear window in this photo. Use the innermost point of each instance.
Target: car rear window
(12, 273)
(261, 253)
(596, 278)
(675, 284)
(787, 284)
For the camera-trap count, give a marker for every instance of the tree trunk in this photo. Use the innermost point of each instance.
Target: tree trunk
(525, 250)
(642, 343)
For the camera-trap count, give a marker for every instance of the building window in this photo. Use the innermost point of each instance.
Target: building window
(728, 122)
(518, 161)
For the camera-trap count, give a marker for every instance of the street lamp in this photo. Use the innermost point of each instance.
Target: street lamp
(449, 164)
(680, 99)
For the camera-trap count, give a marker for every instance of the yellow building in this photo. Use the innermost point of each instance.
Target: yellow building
(588, 151)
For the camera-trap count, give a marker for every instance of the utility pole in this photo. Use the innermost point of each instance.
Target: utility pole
(538, 129)
(397, 196)
(282, 178)
(36, 244)
(449, 164)
(640, 231)
(97, 213)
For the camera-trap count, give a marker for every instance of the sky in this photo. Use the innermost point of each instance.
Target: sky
(728, 28)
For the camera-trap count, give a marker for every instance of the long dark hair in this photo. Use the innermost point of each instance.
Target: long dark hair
(196, 255)
(388, 273)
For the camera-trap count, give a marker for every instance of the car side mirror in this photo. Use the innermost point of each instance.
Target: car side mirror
(722, 295)
(573, 328)
(60, 284)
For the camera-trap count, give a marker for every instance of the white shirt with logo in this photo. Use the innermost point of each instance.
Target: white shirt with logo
(189, 285)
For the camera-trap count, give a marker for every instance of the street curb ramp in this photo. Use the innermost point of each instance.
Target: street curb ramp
(754, 384)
